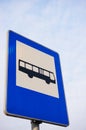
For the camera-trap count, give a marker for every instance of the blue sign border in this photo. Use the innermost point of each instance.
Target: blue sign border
(29, 104)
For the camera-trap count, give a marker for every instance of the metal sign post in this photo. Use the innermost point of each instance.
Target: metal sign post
(35, 125)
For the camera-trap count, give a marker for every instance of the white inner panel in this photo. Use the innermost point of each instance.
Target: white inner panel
(41, 60)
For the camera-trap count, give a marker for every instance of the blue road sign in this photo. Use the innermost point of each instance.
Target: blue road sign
(34, 82)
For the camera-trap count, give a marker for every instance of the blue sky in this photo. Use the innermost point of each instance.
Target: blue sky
(61, 26)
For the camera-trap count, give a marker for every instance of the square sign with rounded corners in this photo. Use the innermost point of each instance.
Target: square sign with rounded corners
(34, 82)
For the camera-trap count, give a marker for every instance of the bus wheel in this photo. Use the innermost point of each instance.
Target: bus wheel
(48, 81)
(30, 75)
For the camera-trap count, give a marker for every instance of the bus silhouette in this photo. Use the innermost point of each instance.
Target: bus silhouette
(35, 71)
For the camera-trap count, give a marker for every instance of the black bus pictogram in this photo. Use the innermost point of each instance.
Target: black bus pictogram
(35, 71)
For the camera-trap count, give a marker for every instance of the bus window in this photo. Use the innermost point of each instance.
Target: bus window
(22, 64)
(52, 76)
(35, 69)
(46, 73)
(28, 66)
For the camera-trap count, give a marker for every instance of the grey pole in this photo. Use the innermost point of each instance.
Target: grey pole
(35, 125)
